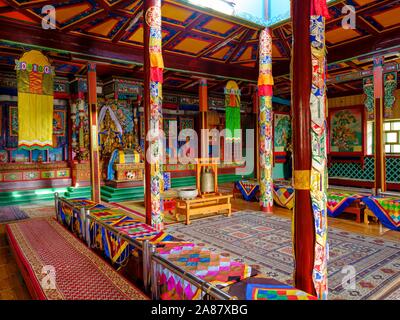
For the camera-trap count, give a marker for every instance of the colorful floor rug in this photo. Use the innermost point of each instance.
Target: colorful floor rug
(137, 209)
(283, 195)
(386, 209)
(261, 288)
(248, 188)
(11, 213)
(339, 201)
(265, 242)
(40, 211)
(214, 268)
(82, 276)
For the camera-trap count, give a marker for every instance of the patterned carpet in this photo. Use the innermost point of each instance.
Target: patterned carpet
(264, 241)
(11, 213)
(43, 210)
(82, 276)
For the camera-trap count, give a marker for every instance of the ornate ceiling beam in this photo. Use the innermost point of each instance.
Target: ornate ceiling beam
(220, 45)
(127, 25)
(364, 46)
(56, 39)
(246, 36)
(102, 13)
(39, 4)
(26, 12)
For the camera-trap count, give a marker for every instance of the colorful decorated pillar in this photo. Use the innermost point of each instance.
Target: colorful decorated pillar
(256, 135)
(265, 83)
(153, 70)
(94, 145)
(379, 95)
(309, 142)
(203, 106)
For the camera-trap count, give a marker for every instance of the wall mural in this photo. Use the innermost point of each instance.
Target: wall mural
(59, 122)
(346, 131)
(282, 132)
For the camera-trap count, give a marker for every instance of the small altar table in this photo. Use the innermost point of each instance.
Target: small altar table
(204, 205)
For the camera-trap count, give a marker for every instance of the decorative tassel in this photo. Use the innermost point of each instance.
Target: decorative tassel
(232, 99)
(265, 90)
(156, 75)
(319, 8)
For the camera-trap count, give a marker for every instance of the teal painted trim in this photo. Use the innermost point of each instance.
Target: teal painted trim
(281, 101)
(21, 197)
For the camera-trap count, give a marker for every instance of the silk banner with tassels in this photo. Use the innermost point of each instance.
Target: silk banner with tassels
(232, 112)
(265, 83)
(153, 20)
(319, 172)
(35, 78)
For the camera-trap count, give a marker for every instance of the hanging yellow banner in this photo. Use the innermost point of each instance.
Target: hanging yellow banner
(35, 81)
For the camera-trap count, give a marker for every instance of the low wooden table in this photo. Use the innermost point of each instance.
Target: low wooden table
(204, 205)
(357, 208)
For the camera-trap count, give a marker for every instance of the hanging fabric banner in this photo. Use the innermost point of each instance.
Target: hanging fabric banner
(35, 81)
(390, 85)
(319, 172)
(232, 111)
(153, 20)
(265, 83)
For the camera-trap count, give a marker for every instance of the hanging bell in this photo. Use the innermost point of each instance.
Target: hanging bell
(207, 181)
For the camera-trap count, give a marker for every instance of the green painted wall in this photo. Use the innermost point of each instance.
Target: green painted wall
(277, 172)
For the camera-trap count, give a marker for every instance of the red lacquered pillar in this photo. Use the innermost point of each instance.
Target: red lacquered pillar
(303, 224)
(380, 163)
(94, 148)
(203, 107)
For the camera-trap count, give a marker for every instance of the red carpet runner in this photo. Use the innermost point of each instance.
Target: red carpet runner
(79, 273)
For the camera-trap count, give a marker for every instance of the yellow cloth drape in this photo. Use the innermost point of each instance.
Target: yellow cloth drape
(35, 101)
(35, 125)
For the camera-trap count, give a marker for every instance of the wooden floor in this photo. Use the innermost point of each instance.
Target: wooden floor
(12, 286)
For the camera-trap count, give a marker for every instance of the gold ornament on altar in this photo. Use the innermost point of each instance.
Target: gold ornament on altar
(109, 139)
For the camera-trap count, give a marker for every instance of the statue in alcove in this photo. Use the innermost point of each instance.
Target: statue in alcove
(110, 136)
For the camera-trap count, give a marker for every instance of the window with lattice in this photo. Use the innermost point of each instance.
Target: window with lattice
(391, 136)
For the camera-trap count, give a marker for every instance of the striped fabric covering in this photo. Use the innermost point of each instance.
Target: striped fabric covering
(41, 247)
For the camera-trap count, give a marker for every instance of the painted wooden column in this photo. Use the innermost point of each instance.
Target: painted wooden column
(379, 97)
(153, 79)
(309, 146)
(256, 136)
(94, 145)
(203, 107)
(265, 83)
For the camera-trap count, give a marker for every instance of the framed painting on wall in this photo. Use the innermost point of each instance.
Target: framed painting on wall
(282, 133)
(59, 122)
(13, 124)
(347, 128)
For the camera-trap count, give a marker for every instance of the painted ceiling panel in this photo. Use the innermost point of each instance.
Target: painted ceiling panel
(192, 45)
(177, 15)
(104, 28)
(17, 16)
(340, 34)
(389, 17)
(63, 14)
